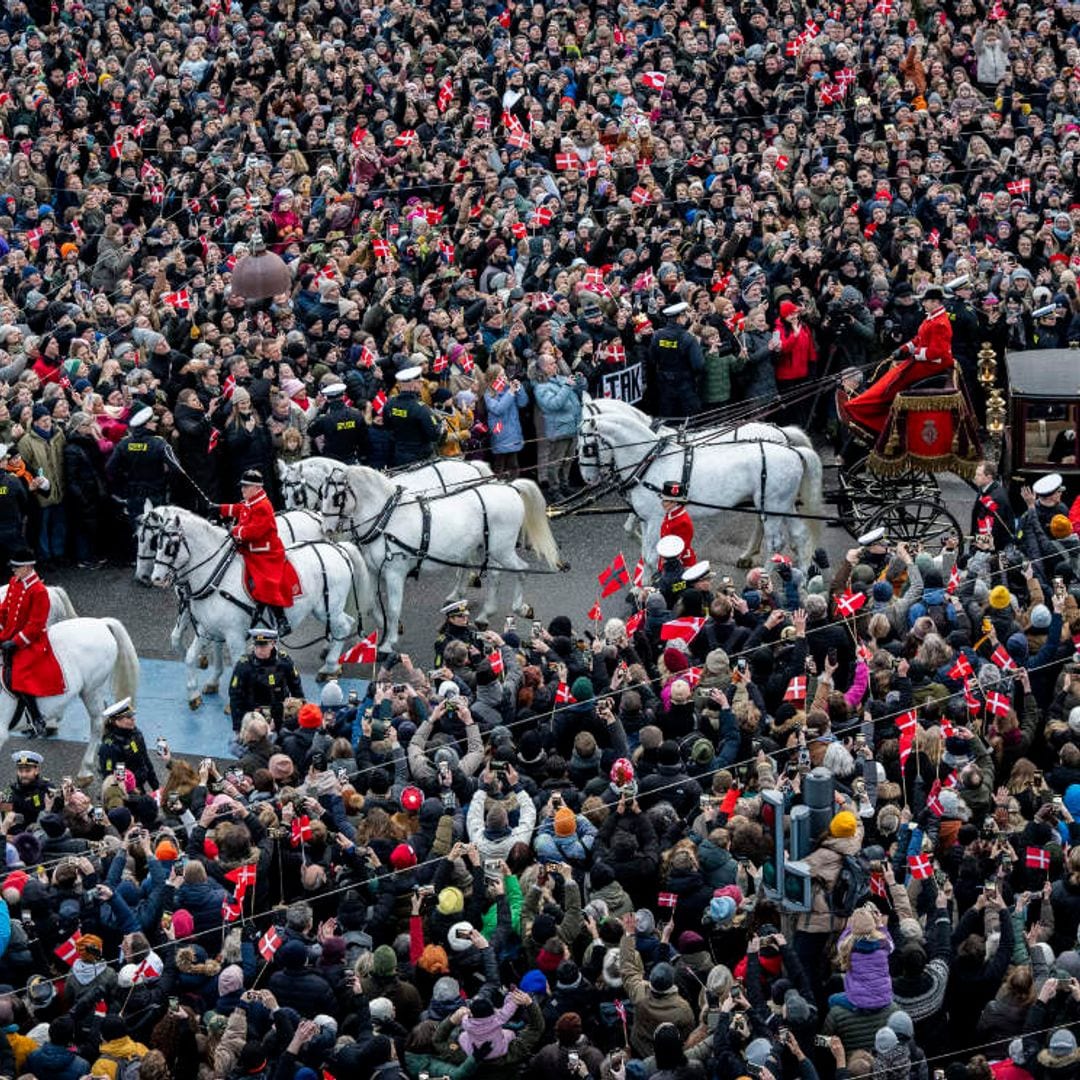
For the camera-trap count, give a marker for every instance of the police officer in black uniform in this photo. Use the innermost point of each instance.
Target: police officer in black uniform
(123, 744)
(696, 597)
(669, 581)
(29, 795)
(14, 503)
(139, 467)
(415, 428)
(676, 365)
(263, 679)
(339, 432)
(455, 628)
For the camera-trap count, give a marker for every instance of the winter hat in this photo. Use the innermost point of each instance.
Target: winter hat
(757, 1052)
(16, 880)
(582, 690)
(433, 960)
(120, 819)
(1060, 527)
(446, 989)
(481, 1008)
(901, 1023)
(534, 982)
(675, 660)
(403, 857)
(310, 716)
(1017, 647)
(530, 748)
(567, 976)
(690, 941)
(384, 962)
(182, 923)
(622, 772)
(662, 979)
(716, 661)
(702, 752)
(412, 798)
(462, 943)
(565, 822)
(280, 767)
(885, 1040)
(882, 592)
(644, 922)
(1040, 617)
(381, 1009)
(796, 1007)
(451, 901)
(90, 948)
(843, 824)
(721, 909)
(1062, 1043)
(1000, 598)
(230, 981)
(293, 954)
(166, 851)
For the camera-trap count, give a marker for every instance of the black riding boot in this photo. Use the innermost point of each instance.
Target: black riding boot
(283, 627)
(34, 719)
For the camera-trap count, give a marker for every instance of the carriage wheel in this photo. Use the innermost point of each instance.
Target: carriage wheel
(864, 493)
(914, 520)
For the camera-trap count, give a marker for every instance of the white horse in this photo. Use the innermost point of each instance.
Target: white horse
(99, 665)
(483, 522)
(294, 527)
(771, 476)
(60, 605)
(199, 559)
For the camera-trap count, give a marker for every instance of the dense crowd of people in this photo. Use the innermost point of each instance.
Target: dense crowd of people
(552, 853)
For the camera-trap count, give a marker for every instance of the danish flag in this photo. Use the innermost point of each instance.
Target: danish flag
(692, 676)
(638, 578)
(378, 402)
(364, 651)
(737, 323)
(68, 950)
(440, 363)
(877, 885)
(519, 230)
(643, 281)
(269, 944)
(998, 704)
(971, 700)
(148, 969)
(920, 867)
(563, 695)
(633, 624)
(908, 724)
(620, 1010)
(954, 579)
(595, 613)
(667, 899)
(215, 438)
(933, 238)
(180, 299)
(495, 659)
(72, 80)
(433, 215)
(367, 358)
(543, 302)
(933, 803)
(381, 248)
(640, 196)
(961, 669)
(446, 250)
(1037, 858)
(446, 94)
(301, 830)
(228, 387)
(685, 629)
(466, 363)
(612, 578)
(796, 689)
(231, 909)
(1019, 187)
(242, 877)
(848, 603)
(542, 216)
(406, 138)
(117, 147)
(564, 162)
(614, 352)
(1002, 659)
(498, 384)
(654, 80)
(782, 162)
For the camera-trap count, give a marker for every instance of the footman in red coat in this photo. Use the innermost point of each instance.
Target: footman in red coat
(268, 574)
(30, 666)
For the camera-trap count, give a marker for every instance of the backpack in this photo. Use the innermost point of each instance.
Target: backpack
(126, 1068)
(944, 618)
(852, 886)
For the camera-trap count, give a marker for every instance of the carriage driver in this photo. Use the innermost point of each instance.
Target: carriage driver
(31, 669)
(676, 520)
(269, 577)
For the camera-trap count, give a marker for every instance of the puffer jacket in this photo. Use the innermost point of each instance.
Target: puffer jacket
(204, 903)
(718, 866)
(867, 983)
(559, 399)
(52, 1062)
(572, 849)
(825, 863)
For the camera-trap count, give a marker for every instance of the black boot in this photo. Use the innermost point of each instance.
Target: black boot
(35, 721)
(283, 627)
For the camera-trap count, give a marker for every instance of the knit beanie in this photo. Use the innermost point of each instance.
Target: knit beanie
(1060, 527)
(675, 660)
(384, 962)
(1000, 597)
(565, 822)
(310, 716)
(582, 690)
(403, 857)
(451, 901)
(844, 824)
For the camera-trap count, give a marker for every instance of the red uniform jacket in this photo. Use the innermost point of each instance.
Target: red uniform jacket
(23, 615)
(269, 576)
(930, 353)
(677, 523)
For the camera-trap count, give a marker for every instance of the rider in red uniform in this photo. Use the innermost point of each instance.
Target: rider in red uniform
(676, 520)
(928, 353)
(268, 575)
(31, 670)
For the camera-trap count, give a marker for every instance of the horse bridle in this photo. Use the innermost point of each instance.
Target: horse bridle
(168, 546)
(299, 483)
(336, 490)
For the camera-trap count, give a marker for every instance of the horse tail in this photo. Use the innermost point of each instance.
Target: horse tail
(62, 602)
(810, 491)
(535, 529)
(126, 671)
(797, 437)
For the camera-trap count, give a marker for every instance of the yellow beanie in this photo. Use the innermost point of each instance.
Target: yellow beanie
(451, 901)
(999, 597)
(844, 824)
(1060, 527)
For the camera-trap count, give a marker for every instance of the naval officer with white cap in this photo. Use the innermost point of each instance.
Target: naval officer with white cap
(676, 365)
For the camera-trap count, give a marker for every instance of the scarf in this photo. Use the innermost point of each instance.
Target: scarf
(46, 435)
(86, 972)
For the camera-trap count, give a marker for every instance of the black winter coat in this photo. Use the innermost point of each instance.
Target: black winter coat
(84, 479)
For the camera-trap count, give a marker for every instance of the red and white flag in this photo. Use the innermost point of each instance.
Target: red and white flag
(667, 900)
(633, 624)
(595, 613)
(1002, 659)
(269, 944)
(654, 80)
(685, 629)
(692, 676)
(301, 830)
(149, 968)
(878, 886)
(1037, 858)
(796, 689)
(367, 358)
(639, 196)
(933, 238)
(231, 909)
(446, 94)
(117, 147)
(1019, 187)
(613, 352)
(961, 669)
(612, 578)
(565, 162)
(563, 695)
(782, 162)
(848, 603)
(998, 704)
(954, 579)
(242, 877)
(215, 438)
(495, 659)
(363, 652)
(920, 866)
(68, 951)
(180, 299)
(933, 803)
(378, 402)
(381, 248)
(406, 138)
(638, 579)
(499, 384)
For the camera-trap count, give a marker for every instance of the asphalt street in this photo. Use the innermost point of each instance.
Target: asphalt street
(588, 542)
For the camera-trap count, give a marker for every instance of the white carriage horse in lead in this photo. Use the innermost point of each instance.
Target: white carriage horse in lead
(774, 477)
(294, 527)
(399, 532)
(200, 560)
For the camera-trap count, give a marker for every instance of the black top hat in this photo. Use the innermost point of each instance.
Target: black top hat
(252, 476)
(673, 491)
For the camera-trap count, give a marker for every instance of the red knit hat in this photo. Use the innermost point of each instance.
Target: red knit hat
(403, 857)
(310, 716)
(787, 309)
(675, 660)
(16, 880)
(412, 798)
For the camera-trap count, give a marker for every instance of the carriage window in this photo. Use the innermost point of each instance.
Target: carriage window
(1050, 434)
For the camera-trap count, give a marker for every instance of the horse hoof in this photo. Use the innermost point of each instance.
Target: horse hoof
(526, 611)
(195, 702)
(563, 566)
(84, 781)
(474, 581)
(744, 561)
(204, 662)
(51, 727)
(210, 688)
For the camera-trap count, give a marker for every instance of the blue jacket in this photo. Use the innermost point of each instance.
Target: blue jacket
(204, 903)
(52, 1062)
(504, 421)
(559, 399)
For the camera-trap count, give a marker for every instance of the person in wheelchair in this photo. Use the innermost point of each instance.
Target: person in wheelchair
(928, 354)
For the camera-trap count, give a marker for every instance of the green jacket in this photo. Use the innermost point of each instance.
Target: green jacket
(48, 456)
(717, 382)
(512, 888)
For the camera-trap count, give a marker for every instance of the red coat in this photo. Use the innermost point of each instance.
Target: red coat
(930, 352)
(677, 523)
(797, 353)
(23, 616)
(268, 576)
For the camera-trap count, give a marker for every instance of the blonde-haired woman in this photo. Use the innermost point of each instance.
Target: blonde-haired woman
(503, 398)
